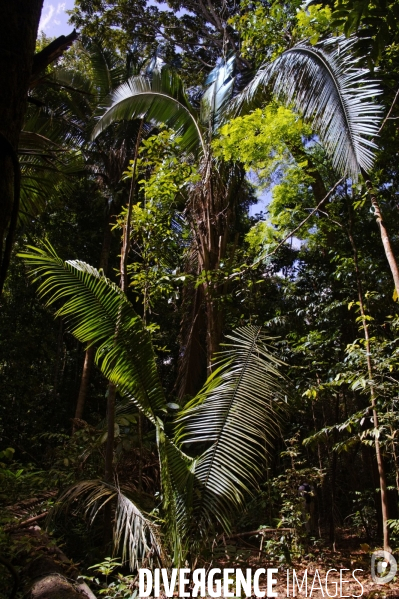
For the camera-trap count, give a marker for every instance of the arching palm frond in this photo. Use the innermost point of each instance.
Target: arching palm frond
(49, 145)
(160, 99)
(326, 86)
(135, 534)
(138, 537)
(65, 116)
(94, 309)
(62, 105)
(78, 93)
(237, 414)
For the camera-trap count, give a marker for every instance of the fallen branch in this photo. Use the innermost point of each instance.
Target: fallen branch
(262, 532)
(25, 523)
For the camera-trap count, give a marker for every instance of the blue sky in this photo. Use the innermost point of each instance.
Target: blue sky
(54, 20)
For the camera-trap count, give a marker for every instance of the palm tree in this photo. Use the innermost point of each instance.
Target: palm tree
(325, 85)
(235, 416)
(337, 97)
(211, 203)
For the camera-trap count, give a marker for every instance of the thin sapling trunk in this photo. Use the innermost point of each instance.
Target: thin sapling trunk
(380, 463)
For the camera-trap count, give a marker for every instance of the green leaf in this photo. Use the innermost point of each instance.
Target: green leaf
(160, 100)
(237, 414)
(98, 313)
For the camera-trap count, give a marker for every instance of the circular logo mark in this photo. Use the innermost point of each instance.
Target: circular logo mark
(383, 567)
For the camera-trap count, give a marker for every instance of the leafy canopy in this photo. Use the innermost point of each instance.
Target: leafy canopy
(261, 139)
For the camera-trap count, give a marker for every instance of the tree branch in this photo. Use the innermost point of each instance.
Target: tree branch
(49, 54)
(389, 112)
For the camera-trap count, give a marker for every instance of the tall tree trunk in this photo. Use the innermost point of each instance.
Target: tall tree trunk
(109, 451)
(386, 241)
(212, 212)
(380, 463)
(18, 30)
(321, 507)
(333, 480)
(192, 340)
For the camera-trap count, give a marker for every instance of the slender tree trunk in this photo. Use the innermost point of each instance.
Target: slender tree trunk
(109, 460)
(380, 463)
(395, 458)
(109, 451)
(107, 238)
(84, 383)
(323, 502)
(90, 352)
(333, 480)
(18, 31)
(386, 241)
(127, 228)
(140, 435)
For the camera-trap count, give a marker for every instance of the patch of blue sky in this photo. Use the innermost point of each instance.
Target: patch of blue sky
(54, 19)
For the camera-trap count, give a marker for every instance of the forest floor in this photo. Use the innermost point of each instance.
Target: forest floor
(350, 553)
(350, 557)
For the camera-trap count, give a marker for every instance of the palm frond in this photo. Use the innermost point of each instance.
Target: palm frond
(177, 482)
(94, 309)
(107, 71)
(236, 416)
(62, 116)
(337, 97)
(46, 169)
(233, 419)
(217, 95)
(160, 99)
(135, 535)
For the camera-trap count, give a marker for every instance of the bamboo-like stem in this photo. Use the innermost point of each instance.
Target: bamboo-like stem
(128, 223)
(380, 463)
(109, 451)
